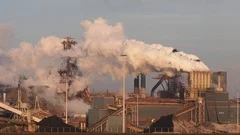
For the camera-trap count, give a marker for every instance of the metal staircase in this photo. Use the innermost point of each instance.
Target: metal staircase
(200, 111)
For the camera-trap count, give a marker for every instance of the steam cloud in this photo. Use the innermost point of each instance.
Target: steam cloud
(98, 54)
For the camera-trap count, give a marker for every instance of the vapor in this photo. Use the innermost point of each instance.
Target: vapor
(98, 54)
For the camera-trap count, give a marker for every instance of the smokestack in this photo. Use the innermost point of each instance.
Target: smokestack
(219, 88)
(143, 86)
(4, 97)
(219, 81)
(136, 85)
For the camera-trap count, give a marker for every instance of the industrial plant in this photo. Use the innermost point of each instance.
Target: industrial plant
(197, 97)
(48, 87)
(201, 98)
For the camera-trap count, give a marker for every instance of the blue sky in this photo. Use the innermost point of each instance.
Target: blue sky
(207, 28)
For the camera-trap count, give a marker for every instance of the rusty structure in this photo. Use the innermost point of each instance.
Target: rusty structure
(69, 66)
(70, 70)
(199, 82)
(198, 96)
(183, 84)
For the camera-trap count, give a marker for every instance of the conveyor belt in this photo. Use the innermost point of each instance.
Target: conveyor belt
(103, 120)
(13, 121)
(185, 110)
(135, 128)
(16, 111)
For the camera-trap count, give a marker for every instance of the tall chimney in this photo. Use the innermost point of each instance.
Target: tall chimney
(219, 88)
(219, 81)
(143, 86)
(4, 97)
(136, 85)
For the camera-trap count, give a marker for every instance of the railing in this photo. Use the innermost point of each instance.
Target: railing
(159, 130)
(147, 130)
(59, 129)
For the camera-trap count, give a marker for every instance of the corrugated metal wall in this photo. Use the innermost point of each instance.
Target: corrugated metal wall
(217, 106)
(93, 116)
(199, 80)
(97, 114)
(233, 113)
(149, 112)
(98, 110)
(101, 102)
(114, 124)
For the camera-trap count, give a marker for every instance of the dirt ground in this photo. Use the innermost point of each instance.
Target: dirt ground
(190, 127)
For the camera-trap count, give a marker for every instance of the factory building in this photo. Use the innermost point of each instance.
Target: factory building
(195, 96)
(190, 96)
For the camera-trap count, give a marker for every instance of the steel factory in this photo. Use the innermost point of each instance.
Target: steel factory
(201, 98)
(196, 97)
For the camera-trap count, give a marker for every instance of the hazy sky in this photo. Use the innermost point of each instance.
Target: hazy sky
(207, 28)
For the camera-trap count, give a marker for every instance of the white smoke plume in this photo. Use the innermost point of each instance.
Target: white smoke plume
(103, 44)
(98, 54)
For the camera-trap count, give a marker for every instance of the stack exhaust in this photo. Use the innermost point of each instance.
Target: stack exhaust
(137, 90)
(136, 85)
(4, 97)
(143, 86)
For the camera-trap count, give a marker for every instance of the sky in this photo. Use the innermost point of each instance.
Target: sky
(207, 28)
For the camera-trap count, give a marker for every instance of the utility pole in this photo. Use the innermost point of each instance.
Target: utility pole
(123, 93)
(237, 110)
(137, 108)
(66, 100)
(70, 70)
(19, 96)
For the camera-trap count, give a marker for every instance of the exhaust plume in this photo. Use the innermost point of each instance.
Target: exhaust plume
(97, 55)
(103, 44)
